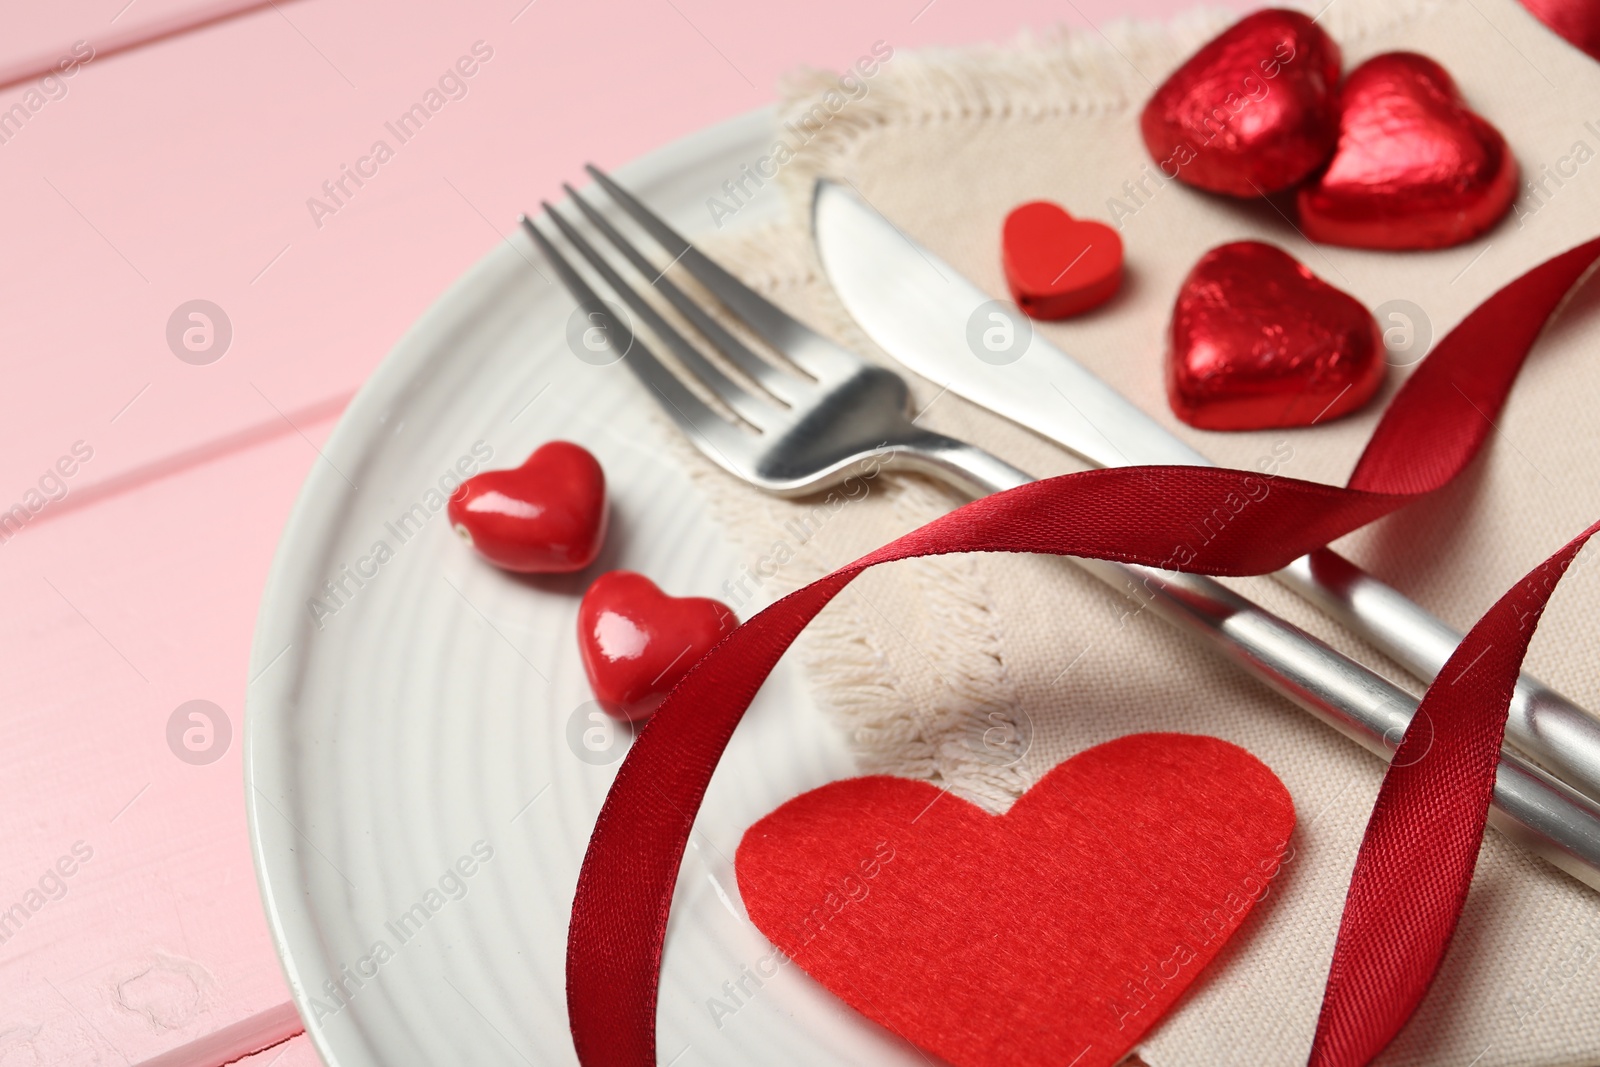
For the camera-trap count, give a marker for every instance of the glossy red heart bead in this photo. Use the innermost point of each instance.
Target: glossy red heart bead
(547, 516)
(1414, 168)
(1057, 265)
(1253, 111)
(637, 642)
(1055, 935)
(1259, 341)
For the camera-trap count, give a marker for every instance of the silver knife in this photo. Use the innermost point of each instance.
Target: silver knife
(926, 315)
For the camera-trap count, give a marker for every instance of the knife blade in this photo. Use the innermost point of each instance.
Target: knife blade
(922, 312)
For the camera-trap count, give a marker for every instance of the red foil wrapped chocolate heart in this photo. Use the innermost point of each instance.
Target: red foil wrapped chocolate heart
(1415, 167)
(1576, 20)
(1251, 113)
(1259, 341)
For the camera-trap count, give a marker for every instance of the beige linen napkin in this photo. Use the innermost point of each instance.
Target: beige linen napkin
(918, 660)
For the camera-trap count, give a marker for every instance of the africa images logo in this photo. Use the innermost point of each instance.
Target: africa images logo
(52, 488)
(798, 132)
(451, 886)
(50, 88)
(453, 84)
(338, 592)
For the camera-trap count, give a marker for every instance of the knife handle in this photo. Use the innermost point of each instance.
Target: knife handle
(1531, 807)
(1556, 733)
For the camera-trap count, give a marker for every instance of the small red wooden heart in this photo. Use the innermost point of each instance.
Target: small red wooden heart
(1259, 341)
(1252, 112)
(637, 642)
(546, 516)
(1415, 167)
(1055, 934)
(1057, 265)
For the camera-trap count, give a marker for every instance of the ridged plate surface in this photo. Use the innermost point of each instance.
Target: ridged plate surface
(421, 768)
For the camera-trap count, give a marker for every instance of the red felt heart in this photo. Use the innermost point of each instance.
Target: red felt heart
(546, 516)
(637, 642)
(1057, 265)
(1259, 341)
(1415, 167)
(1055, 934)
(1252, 112)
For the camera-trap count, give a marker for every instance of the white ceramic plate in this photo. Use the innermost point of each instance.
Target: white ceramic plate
(421, 767)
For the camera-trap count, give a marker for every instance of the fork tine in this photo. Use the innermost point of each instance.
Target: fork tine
(752, 409)
(781, 384)
(702, 423)
(809, 350)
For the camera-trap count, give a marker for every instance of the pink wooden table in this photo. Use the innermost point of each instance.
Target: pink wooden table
(175, 165)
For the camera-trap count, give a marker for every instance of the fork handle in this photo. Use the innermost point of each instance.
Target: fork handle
(1534, 809)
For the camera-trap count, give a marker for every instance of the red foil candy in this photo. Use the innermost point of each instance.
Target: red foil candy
(1415, 167)
(1576, 20)
(1251, 113)
(1259, 341)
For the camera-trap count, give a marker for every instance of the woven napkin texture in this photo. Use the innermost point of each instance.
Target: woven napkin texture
(922, 662)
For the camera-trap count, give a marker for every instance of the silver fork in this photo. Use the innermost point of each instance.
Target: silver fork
(799, 429)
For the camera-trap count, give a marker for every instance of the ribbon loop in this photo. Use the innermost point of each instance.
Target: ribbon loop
(1417, 856)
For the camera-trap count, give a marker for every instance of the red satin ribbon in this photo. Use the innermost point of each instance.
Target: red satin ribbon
(1417, 857)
